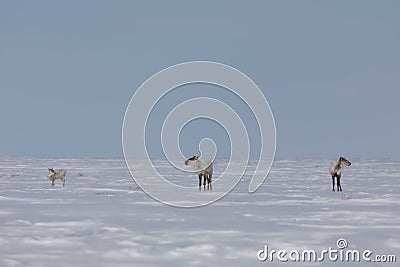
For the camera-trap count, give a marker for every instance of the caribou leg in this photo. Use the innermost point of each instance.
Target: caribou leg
(200, 182)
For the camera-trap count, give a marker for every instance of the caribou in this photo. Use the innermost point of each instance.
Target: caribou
(336, 171)
(57, 174)
(204, 169)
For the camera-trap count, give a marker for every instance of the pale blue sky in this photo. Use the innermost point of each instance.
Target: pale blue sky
(329, 69)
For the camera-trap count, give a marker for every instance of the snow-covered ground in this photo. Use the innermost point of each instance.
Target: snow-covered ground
(102, 218)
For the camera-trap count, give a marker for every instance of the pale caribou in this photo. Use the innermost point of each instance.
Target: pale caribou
(203, 168)
(336, 171)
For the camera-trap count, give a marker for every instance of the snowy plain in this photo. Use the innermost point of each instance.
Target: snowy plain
(102, 218)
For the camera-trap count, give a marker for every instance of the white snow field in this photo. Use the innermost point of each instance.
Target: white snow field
(102, 218)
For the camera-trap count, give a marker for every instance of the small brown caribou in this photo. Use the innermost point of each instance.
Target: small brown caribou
(204, 168)
(336, 171)
(57, 174)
